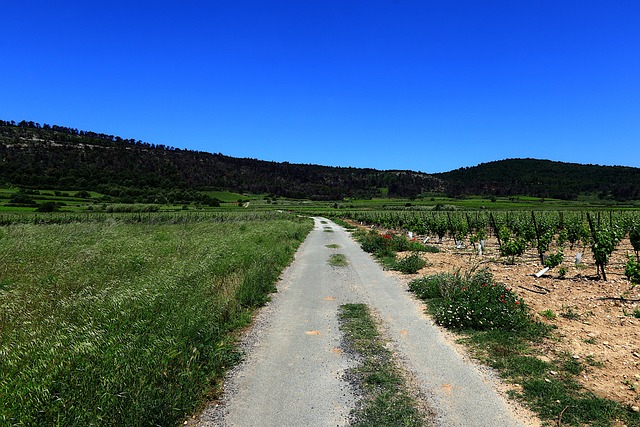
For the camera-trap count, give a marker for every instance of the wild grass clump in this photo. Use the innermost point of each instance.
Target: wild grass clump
(338, 260)
(385, 247)
(472, 301)
(376, 243)
(409, 264)
(110, 323)
(430, 249)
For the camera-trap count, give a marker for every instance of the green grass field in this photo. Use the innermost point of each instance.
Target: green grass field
(69, 201)
(112, 323)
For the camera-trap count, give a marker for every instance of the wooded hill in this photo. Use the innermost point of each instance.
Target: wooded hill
(544, 178)
(57, 157)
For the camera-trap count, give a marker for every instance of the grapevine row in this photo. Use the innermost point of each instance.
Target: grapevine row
(515, 231)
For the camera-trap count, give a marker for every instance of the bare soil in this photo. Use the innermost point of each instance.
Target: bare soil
(603, 334)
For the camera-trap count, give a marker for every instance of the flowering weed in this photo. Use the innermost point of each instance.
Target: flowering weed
(472, 301)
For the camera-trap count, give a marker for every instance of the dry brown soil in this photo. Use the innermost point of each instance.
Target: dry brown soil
(591, 329)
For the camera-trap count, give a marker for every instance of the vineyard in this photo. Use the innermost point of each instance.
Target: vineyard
(577, 271)
(549, 233)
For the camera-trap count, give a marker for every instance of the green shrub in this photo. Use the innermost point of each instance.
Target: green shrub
(410, 264)
(554, 260)
(632, 271)
(513, 248)
(431, 249)
(472, 302)
(47, 207)
(441, 285)
(384, 244)
(399, 243)
(372, 242)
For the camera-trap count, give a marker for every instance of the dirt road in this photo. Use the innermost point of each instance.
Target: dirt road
(292, 374)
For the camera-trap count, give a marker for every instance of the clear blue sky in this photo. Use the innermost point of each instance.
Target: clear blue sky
(388, 84)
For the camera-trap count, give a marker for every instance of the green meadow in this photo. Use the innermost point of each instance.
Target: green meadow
(117, 323)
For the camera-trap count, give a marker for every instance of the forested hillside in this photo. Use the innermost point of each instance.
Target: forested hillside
(544, 178)
(56, 157)
(46, 156)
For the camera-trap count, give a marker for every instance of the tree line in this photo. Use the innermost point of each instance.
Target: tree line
(544, 178)
(56, 157)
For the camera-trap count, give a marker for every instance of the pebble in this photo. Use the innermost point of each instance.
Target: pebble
(635, 408)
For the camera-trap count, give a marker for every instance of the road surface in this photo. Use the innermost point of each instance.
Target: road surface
(292, 374)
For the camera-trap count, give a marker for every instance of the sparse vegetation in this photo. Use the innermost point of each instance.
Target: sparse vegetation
(549, 314)
(338, 260)
(386, 401)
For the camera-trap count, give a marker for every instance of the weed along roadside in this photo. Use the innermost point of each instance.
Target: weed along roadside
(115, 323)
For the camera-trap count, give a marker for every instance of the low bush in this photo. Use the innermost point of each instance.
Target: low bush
(472, 301)
(371, 241)
(410, 264)
(632, 271)
(554, 260)
(431, 249)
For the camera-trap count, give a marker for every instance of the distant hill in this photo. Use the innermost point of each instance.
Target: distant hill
(544, 178)
(56, 157)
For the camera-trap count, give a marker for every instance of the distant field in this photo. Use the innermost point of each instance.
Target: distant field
(91, 201)
(116, 323)
(227, 196)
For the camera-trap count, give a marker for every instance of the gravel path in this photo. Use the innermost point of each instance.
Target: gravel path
(292, 374)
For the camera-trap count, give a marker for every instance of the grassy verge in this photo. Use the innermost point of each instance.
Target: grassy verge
(344, 224)
(112, 323)
(498, 330)
(385, 248)
(386, 400)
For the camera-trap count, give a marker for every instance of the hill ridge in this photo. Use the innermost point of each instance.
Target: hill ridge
(58, 157)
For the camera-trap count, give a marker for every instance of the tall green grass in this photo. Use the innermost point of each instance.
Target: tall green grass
(113, 323)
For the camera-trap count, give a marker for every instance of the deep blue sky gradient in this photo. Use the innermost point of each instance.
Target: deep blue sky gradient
(404, 84)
